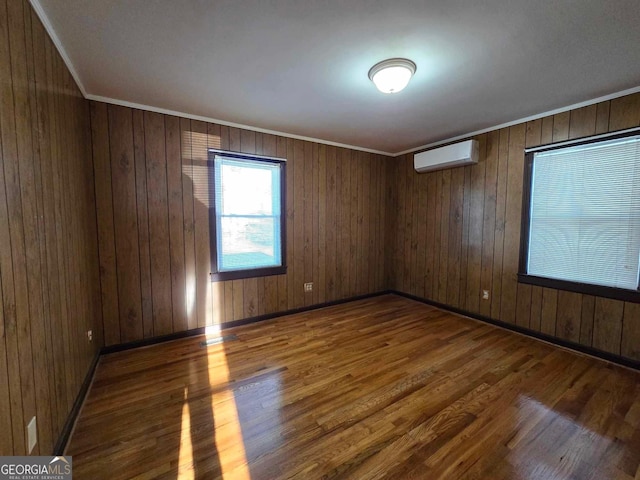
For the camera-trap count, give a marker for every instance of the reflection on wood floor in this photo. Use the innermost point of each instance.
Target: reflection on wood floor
(379, 388)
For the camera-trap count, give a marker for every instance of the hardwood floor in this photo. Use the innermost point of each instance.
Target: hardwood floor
(380, 388)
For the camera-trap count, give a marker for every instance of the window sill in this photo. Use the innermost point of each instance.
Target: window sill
(588, 289)
(253, 273)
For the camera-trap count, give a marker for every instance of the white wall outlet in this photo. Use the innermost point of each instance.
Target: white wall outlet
(32, 434)
(308, 287)
(485, 294)
(90, 335)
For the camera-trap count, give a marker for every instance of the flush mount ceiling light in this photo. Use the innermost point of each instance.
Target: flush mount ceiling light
(392, 75)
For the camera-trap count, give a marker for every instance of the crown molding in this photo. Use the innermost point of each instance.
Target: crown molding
(165, 111)
(521, 120)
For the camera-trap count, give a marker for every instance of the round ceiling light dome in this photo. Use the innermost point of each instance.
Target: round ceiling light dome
(392, 75)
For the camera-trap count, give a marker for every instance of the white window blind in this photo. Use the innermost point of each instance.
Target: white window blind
(585, 213)
(247, 209)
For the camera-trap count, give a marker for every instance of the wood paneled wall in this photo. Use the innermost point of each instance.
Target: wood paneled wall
(48, 243)
(457, 232)
(153, 224)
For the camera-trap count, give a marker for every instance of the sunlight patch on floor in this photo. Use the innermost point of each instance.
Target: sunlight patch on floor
(185, 457)
(228, 432)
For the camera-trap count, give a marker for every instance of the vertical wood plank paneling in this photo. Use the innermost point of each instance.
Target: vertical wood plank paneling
(464, 248)
(331, 226)
(390, 206)
(106, 230)
(13, 398)
(501, 202)
(489, 219)
(228, 300)
(630, 347)
(364, 203)
(512, 227)
(430, 238)
(12, 149)
(48, 260)
(201, 199)
(624, 112)
(455, 236)
(413, 241)
(353, 222)
(249, 298)
(48, 239)
(125, 222)
(345, 224)
(188, 224)
(156, 160)
(176, 222)
(65, 201)
(602, 117)
(372, 226)
(404, 225)
(41, 140)
(54, 232)
(407, 222)
(582, 121)
(238, 299)
(421, 259)
(445, 196)
(307, 221)
(569, 316)
(437, 237)
(380, 224)
(400, 193)
(378, 213)
(476, 215)
(586, 321)
(320, 225)
(607, 325)
(37, 267)
(139, 153)
(313, 165)
(342, 227)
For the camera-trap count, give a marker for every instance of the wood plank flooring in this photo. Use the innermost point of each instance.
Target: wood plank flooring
(380, 388)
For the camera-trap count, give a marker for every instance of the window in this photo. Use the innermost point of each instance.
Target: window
(581, 216)
(247, 225)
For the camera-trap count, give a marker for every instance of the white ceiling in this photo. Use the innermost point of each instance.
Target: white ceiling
(300, 67)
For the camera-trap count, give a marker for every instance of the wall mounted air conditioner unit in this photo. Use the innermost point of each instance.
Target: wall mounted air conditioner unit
(455, 155)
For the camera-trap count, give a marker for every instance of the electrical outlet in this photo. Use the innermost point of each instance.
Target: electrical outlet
(90, 335)
(485, 294)
(32, 434)
(308, 287)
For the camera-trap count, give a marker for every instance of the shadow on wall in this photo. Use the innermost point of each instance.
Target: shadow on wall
(195, 172)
